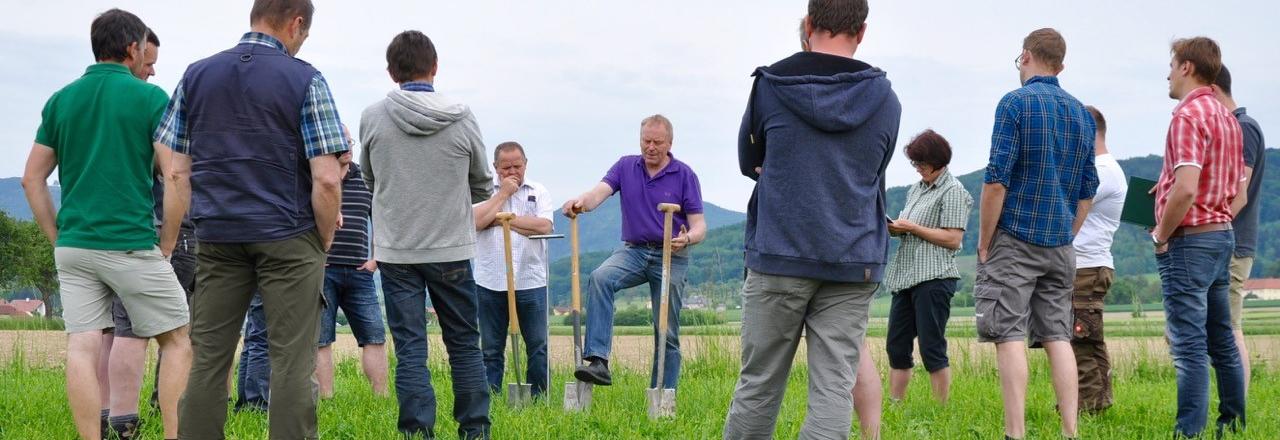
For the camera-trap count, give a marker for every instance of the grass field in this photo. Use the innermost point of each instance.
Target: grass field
(34, 404)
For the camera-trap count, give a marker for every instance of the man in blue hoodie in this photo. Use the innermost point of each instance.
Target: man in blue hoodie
(816, 238)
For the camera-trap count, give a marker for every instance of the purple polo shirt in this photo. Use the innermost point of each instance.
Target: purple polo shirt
(641, 194)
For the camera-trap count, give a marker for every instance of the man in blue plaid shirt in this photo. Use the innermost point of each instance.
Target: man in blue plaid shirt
(257, 140)
(1038, 188)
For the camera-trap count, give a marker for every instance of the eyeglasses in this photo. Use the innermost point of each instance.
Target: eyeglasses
(1017, 62)
(918, 165)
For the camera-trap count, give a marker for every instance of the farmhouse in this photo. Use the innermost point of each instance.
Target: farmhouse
(23, 308)
(1264, 289)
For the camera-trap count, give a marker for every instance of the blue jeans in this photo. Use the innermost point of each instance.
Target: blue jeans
(531, 309)
(453, 294)
(1195, 278)
(353, 290)
(628, 267)
(253, 377)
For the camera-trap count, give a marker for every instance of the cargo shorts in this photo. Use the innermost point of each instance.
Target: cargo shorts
(1023, 291)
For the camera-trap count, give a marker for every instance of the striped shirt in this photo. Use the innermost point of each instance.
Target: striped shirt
(1206, 135)
(351, 241)
(321, 129)
(944, 204)
(1042, 152)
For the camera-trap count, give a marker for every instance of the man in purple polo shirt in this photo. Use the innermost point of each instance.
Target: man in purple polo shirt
(646, 180)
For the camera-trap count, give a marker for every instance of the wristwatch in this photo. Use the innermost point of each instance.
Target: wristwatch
(1156, 241)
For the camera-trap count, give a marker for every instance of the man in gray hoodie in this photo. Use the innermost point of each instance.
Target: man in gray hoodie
(816, 235)
(424, 160)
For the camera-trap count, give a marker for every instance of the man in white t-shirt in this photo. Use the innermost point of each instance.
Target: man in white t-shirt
(532, 206)
(1094, 273)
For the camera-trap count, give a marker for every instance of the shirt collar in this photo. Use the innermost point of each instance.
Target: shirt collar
(417, 86)
(263, 39)
(1239, 111)
(1196, 93)
(1050, 80)
(946, 175)
(107, 67)
(667, 169)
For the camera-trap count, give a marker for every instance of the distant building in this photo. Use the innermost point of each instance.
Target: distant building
(1264, 288)
(696, 302)
(561, 311)
(23, 308)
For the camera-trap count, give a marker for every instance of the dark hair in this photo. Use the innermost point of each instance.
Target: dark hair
(1099, 122)
(1224, 81)
(277, 13)
(113, 31)
(152, 38)
(929, 148)
(1201, 52)
(410, 55)
(1048, 46)
(838, 16)
(508, 146)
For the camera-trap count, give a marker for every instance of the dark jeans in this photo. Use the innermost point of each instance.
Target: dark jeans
(253, 377)
(453, 294)
(353, 290)
(920, 311)
(628, 267)
(531, 309)
(1195, 278)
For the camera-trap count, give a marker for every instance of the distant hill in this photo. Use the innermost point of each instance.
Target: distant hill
(14, 202)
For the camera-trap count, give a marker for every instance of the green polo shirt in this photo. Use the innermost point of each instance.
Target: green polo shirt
(100, 127)
(944, 204)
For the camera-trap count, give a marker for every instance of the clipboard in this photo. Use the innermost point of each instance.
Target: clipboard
(1139, 203)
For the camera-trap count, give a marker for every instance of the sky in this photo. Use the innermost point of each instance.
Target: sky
(571, 80)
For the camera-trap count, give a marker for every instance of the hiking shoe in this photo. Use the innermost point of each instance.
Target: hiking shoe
(597, 372)
(125, 427)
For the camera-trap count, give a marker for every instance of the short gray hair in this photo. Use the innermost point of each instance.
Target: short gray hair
(659, 119)
(508, 146)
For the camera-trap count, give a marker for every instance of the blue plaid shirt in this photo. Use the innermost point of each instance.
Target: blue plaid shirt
(1042, 152)
(321, 128)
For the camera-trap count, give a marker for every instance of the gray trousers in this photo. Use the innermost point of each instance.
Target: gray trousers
(775, 309)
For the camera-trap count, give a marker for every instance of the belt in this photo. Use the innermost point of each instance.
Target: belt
(1184, 231)
(645, 244)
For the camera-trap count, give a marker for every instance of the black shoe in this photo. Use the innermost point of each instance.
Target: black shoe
(106, 425)
(125, 427)
(595, 373)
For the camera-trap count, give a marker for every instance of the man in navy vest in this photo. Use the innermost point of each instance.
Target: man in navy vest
(257, 142)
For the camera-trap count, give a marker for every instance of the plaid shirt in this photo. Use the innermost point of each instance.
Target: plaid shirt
(945, 204)
(1042, 152)
(321, 129)
(1206, 135)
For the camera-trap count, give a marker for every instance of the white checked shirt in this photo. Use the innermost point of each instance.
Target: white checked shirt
(528, 257)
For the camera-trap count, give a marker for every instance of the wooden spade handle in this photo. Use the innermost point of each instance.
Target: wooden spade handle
(505, 218)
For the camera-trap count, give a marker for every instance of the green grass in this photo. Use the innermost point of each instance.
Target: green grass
(34, 405)
(31, 324)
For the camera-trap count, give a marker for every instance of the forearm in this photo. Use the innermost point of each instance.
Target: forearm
(486, 212)
(41, 201)
(1082, 211)
(177, 201)
(947, 238)
(531, 226)
(992, 205)
(1242, 198)
(1177, 204)
(596, 196)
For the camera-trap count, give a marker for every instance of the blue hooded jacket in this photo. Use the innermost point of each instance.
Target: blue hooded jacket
(823, 129)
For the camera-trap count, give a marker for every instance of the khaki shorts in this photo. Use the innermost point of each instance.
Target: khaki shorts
(1240, 268)
(143, 280)
(1024, 292)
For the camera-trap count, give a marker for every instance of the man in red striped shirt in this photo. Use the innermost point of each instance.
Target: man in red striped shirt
(1203, 170)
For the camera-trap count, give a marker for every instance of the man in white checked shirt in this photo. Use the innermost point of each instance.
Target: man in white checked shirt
(532, 206)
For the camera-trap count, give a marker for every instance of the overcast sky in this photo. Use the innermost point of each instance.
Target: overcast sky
(571, 80)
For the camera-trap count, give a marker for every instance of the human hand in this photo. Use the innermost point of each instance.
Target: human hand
(573, 207)
(369, 266)
(902, 226)
(509, 186)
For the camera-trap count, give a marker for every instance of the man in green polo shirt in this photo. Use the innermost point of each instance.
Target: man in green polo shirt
(97, 133)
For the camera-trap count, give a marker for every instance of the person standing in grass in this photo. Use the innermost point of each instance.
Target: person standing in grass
(424, 160)
(1095, 270)
(923, 273)
(1036, 193)
(1202, 176)
(817, 135)
(532, 205)
(256, 139)
(1246, 210)
(645, 180)
(96, 132)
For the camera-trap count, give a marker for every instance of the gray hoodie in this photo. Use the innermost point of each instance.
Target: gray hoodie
(425, 162)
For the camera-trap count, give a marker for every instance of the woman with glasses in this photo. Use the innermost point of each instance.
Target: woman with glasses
(922, 275)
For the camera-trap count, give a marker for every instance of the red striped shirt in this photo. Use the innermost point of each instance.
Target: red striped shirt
(1203, 134)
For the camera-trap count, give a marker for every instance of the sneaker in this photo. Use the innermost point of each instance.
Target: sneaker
(597, 372)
